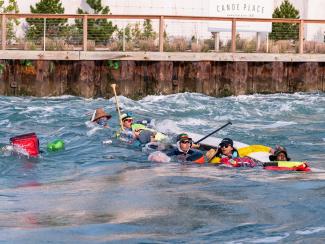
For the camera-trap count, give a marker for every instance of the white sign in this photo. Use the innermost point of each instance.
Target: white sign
(241, 9)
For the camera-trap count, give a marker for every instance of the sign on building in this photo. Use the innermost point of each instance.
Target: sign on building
(241, 9)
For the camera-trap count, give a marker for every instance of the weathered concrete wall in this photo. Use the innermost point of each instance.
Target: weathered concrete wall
(139, 78)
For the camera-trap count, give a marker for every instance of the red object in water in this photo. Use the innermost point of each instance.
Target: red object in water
(200, 160)
(29, 142)
(239, 162)
(303, 167)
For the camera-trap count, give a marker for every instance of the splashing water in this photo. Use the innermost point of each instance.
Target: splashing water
(109, 192)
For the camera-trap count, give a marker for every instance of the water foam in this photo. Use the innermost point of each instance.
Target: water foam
(310, 231)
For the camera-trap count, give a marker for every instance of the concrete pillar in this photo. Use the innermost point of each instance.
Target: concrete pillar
(216, 41)
(258, 41)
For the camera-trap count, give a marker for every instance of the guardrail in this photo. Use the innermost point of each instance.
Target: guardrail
(78, 32)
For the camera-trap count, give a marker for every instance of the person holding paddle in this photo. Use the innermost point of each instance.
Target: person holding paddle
(225, 150)
(184, 152)
(127, 132)
(227, 154)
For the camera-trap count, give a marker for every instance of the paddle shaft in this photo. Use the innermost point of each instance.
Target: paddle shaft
(203, 138)
(117, 106)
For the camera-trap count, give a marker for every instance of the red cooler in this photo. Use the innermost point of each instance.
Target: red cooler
(29, 142)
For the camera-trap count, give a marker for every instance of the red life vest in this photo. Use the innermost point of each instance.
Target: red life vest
(28, 142)
(239, 162)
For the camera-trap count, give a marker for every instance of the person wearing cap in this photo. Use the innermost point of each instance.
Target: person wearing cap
(225, 150)
(279, 154)
(127, 121)
(127, 134)
(138, 133)
(184, 152)
(134, 132)
(100, 117)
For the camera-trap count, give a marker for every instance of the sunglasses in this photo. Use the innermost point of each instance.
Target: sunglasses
(185, 142)
(128, 120)
(224, 146)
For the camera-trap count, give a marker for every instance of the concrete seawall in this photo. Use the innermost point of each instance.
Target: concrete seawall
(138, 78)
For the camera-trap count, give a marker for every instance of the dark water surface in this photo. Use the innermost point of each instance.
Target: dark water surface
(97, 193)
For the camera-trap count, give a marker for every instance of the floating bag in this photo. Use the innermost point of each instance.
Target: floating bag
(28, 142)
(55, 145)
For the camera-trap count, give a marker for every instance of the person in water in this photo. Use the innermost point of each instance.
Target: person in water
(144, 135)
(100, 117)
(127, 134)
(279, 154)
(127, 121)
(184, 152)
(225, 150)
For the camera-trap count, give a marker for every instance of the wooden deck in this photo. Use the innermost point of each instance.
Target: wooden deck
(159, 56)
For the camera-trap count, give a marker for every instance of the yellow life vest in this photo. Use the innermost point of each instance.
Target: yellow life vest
(215, 160)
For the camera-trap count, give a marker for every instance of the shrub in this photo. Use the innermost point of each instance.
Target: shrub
(177, 45)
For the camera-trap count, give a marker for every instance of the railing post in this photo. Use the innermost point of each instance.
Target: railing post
(123, 40)
(301, 36)
(267, 42)
(3, 32)
(44, 35)
(161, 34)
(233, 35)
(85, 32)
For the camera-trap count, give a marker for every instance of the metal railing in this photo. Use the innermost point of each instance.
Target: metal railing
(82, 32)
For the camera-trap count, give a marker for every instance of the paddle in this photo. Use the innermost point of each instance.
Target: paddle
(117, 106)
(203, 138)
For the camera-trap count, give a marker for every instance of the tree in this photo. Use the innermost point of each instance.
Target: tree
(136, 31)
(285, 31)
(148, 32)
(11, 7)
(126, 31)
(53, 26)
(100, 30)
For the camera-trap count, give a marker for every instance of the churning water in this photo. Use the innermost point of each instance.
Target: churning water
(97, 193)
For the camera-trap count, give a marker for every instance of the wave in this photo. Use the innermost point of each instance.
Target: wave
(311, 231)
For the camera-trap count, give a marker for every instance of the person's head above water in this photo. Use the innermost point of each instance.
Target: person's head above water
(184, 142)
(100, 117)
(226, 146)
(127, 120)
(280, 154)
